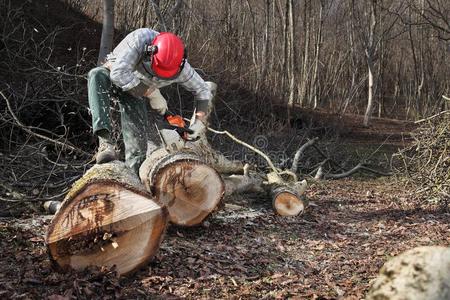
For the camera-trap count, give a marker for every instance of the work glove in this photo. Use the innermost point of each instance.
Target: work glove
(198, 128)
(157, 101)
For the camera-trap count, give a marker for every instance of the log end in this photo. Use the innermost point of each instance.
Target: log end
(189, 189)
(286, 203)
(106, 224)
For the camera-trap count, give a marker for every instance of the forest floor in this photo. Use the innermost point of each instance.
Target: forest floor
(333, 251)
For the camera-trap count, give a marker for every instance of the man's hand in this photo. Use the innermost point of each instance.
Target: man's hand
(198, 128)
(156, 100)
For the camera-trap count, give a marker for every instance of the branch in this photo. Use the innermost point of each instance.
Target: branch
(348, 173)
(375, 171)
(27, 129)
(262, 154)
(343, 174)
(432, 117)
(300, 152)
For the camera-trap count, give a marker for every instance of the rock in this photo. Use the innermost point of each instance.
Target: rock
(421, 273)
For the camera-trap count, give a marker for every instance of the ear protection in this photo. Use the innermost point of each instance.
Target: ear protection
(151, 50)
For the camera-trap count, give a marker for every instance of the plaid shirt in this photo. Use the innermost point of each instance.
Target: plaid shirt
(129, 69)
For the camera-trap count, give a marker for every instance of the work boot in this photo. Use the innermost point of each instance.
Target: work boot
(106, 151)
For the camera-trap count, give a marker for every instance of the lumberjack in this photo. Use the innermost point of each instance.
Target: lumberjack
(112, 217)
(143, 62)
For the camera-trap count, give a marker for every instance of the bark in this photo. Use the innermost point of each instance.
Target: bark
(237, 184)
(181, 182)
(106, 219)
(107, 31)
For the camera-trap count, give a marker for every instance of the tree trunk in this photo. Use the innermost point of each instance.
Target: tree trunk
(107, 31)
(369, 108)
(106, 219)
(181, 182)
(370, 53)
(315, 81)
(214, 158)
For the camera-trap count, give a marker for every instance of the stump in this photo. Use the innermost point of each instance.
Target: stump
(106, 219)
(180, 181)
(287, 201)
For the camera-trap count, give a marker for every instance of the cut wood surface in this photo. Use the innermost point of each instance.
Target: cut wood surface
(180, 181)
(106, 219)
(286, 201)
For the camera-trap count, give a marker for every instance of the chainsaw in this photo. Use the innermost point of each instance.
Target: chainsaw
(177, 123)
(174, 132)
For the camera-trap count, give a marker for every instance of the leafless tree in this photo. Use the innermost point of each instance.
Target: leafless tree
(107, 31)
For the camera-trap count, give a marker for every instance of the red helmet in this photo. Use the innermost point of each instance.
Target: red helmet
(168, 55)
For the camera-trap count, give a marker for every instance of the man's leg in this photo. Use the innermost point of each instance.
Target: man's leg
(135, 129)
(99, 89)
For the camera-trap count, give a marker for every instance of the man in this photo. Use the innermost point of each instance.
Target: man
(142, 63)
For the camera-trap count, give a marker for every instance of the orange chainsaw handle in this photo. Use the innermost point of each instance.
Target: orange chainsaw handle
(175, 120)
(177, 123)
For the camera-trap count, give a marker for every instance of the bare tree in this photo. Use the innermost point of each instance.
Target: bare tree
(107, 31)
(335, 53)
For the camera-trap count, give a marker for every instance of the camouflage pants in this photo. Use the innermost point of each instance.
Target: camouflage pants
(133, 116)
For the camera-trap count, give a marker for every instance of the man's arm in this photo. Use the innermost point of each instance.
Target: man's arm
(124, 59)
(192, 82)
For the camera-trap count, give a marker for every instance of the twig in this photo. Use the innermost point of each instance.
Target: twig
(446, 98)
(27, 129)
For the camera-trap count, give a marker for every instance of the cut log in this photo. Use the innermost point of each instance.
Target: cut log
(287, 197)
(287, 201)
(180, 181)
(106, 219)
(235, 184)
(214, 158)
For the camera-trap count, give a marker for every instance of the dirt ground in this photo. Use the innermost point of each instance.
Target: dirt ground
(245, 251)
